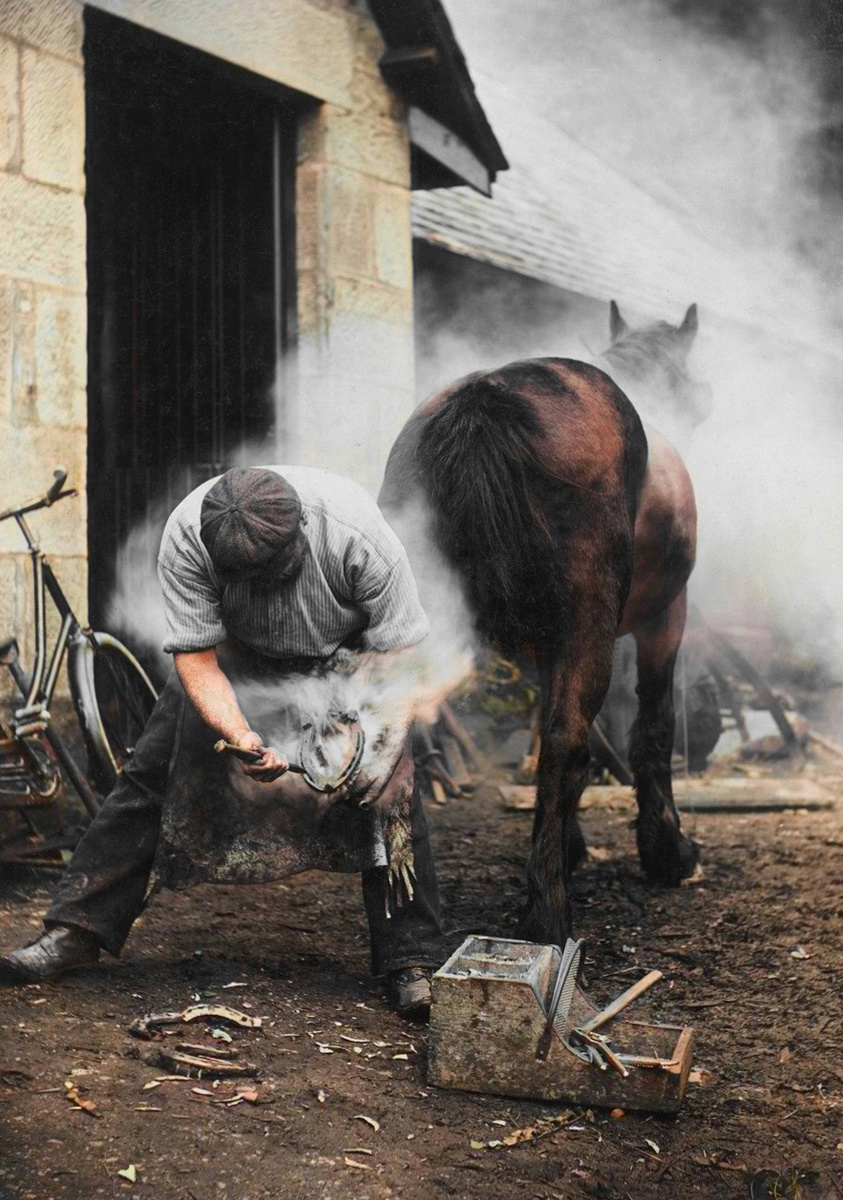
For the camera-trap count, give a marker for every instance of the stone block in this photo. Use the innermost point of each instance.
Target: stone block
(24, 361)
(36, 451)
(356, 327)
(311, 133)
(369, 300)
(374, 146)
(392, 236)
(9, 106)
(53, 25)
(348, 215)
(7, 302)
(303, 45)
(311, 216)
(315, 301)
(53, 120)
(42, 355)
(43, 233)
(368, 46)
(61, 322)
(14, 594)
(370, 135)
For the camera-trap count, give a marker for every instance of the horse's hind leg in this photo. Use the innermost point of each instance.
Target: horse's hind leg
(573, 686)
(666, 855)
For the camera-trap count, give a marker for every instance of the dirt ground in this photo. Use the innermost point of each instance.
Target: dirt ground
(751, 957)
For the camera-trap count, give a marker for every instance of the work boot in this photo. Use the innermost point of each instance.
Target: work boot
(408, 992)
(56, 951)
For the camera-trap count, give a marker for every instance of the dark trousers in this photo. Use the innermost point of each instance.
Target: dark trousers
(104, 887)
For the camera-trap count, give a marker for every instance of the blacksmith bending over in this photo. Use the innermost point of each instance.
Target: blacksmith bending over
(266, 573)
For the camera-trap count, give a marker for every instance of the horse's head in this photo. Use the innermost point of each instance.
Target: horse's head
(650, 364)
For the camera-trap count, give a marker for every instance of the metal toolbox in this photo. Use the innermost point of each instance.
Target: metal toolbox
(489, 1028)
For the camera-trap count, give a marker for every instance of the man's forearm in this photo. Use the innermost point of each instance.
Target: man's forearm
(211, 694)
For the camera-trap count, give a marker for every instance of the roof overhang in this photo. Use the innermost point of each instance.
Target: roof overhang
(453, 142)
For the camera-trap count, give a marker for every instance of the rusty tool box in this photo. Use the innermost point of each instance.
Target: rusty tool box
(509, 1018)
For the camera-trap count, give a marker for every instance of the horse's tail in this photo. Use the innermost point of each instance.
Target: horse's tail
(492, 509)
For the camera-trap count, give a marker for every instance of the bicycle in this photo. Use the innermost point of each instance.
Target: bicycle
(111, 692)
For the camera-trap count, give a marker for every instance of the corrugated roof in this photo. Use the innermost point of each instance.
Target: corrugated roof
(562, 215)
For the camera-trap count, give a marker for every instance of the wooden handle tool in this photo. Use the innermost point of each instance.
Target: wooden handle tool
(249, 755)
(611, 1010)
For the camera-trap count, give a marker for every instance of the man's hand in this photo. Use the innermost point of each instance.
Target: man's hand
(269, 766)
(212, 695)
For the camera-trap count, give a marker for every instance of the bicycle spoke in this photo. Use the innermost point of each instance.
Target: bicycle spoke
(124, 699)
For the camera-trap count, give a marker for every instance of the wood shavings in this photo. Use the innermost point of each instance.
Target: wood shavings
(79, 1101)
(369, 1121)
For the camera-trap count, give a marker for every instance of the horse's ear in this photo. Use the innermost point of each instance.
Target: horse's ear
(617, 325)
(689, 326)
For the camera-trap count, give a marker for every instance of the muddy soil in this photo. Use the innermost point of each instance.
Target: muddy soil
(751, 957)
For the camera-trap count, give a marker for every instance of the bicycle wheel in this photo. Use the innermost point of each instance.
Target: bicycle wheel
(114, 698)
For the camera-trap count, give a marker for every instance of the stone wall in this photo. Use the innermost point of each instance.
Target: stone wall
(352, 378)
(355, 359)
(42, 292)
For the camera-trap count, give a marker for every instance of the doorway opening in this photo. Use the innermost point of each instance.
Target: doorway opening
(190, 167)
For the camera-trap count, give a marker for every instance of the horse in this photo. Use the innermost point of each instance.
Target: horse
(568, 525)
(651, 365)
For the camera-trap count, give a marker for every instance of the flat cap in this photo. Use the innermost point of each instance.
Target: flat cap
(249, 517)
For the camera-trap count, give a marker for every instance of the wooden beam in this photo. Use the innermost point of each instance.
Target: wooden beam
(448, 150)
(407, 58)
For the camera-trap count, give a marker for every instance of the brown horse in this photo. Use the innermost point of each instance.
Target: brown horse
(651, 365)
(569, 526)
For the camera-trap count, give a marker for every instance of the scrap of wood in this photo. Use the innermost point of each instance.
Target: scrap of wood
(78, 1101)
(739, 794)
(519, 797)
(205, 1051)
(437, 791)
(454, 760)
(729, 794)
(616, 763)
(722, 646)
(462, 736)
(202, 1064)
(826, 743)
(621, 1002)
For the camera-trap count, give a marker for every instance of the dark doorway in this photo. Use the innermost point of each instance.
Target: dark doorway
(191, 277)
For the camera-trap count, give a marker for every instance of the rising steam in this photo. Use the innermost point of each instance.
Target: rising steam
(678, 141)
(387, 691)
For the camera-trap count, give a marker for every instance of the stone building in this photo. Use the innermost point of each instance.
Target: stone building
(205, 247)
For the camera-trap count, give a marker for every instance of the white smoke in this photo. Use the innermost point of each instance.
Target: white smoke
(715, 119)
(385, 690)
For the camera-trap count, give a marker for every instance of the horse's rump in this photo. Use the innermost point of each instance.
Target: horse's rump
(515, 467)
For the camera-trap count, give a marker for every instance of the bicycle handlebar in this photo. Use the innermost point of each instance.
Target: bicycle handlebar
(53, 493)
(59, 476)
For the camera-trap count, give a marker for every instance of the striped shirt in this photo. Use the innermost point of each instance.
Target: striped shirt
(355, 588)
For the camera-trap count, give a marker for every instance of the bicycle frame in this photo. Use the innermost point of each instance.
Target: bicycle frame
(39, 688)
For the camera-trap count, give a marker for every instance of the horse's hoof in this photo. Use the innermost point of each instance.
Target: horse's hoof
(669, 856)
(689, 855)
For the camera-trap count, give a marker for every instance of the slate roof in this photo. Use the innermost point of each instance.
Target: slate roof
(564, 216)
